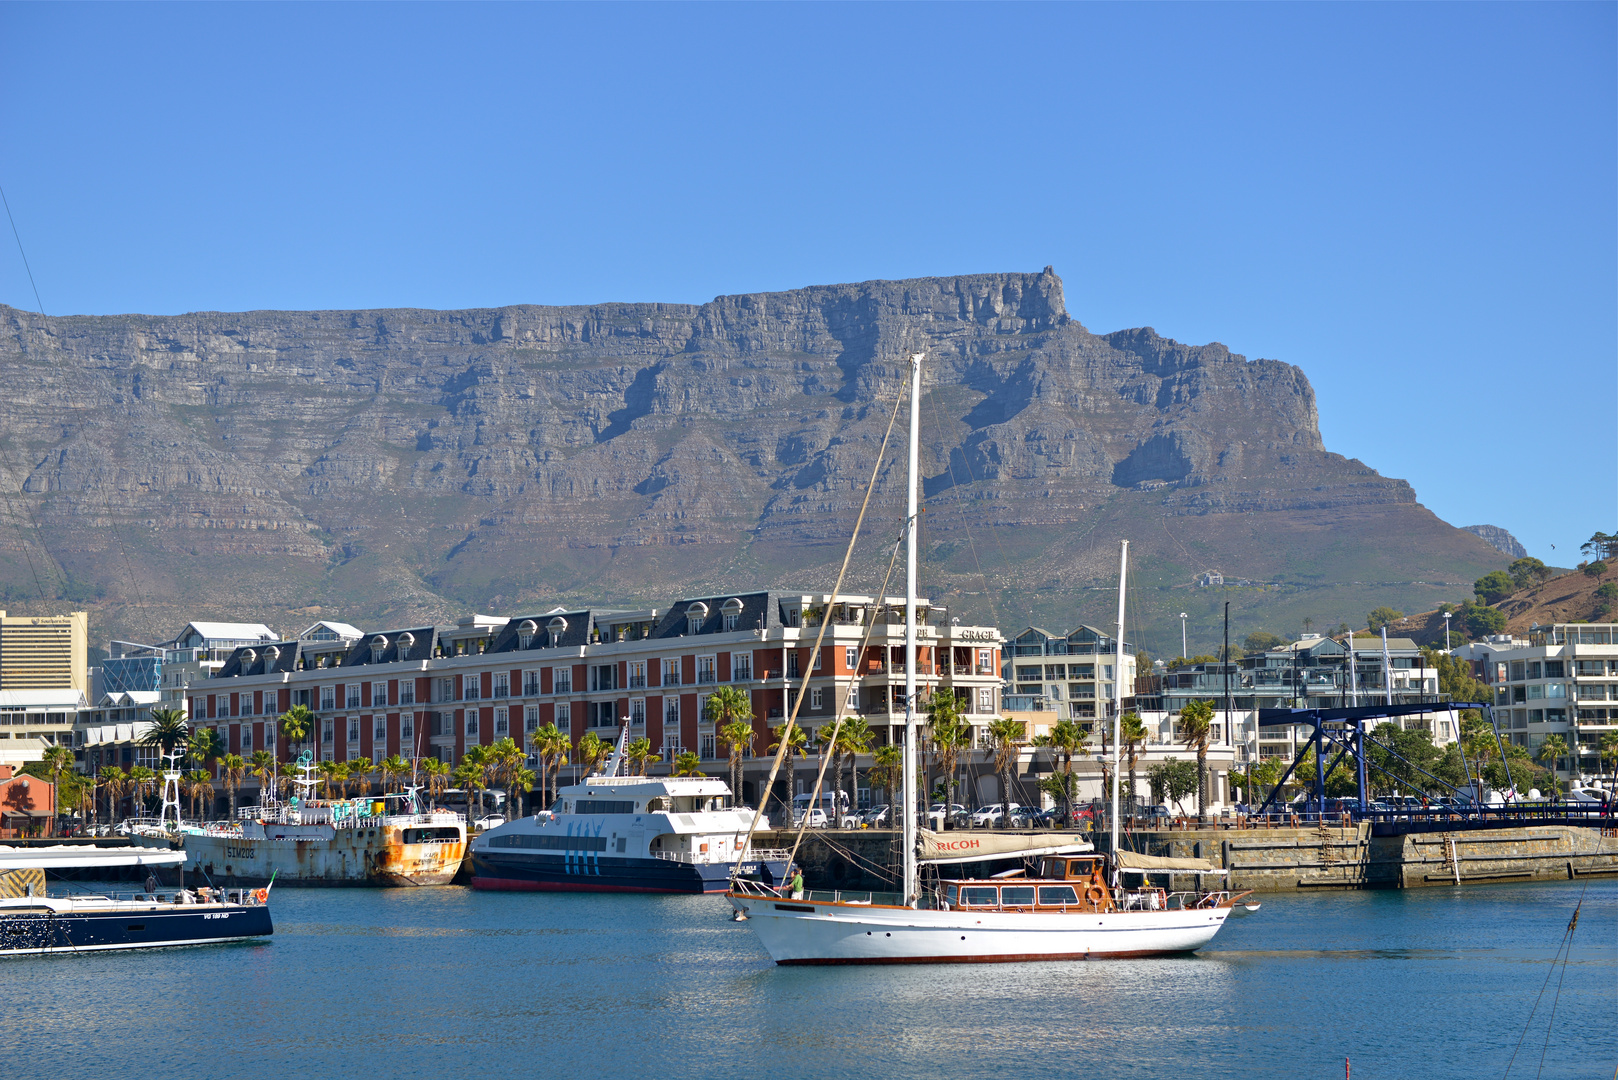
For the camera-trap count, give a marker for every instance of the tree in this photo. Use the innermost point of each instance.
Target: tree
(1528, 572)
(205, 746)
(1551, 752)
(1065, 741)
(437, 777)
(885, 767)
(1609, 749)
(471, 775)
(1494, 586)
(593, 750)
(1188, 661)
(394, 769)
(639, 753)
(853, 739)
(687, 763)
(115, 782)
(551, 746)
(1132, 735)
(506, 768)
(142, 782)
(1171, 780)
(262, 765)
(297, 724)
(1006, 737)
(1196, 726)
(730, 710)
(1595, 569)
(1381, 617)
(1601, 545)
(233, 768)
(198, 785)
(169, 730)
(950, 735)
(1262, 641)
(57, 760)
(359, 774)
(333, 775)
(1477, 621)
(796, 742)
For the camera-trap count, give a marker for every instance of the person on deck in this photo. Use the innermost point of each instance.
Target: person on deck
(795, 884)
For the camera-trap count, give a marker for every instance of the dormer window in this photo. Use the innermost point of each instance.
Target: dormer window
(525, 633)
(733, 613)
(379, 645)
(695, 616)
(792, 616)
(406, 643)
(556, 627)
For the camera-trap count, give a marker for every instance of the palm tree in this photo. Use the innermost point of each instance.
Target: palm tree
(233, 767)
(262, 765)
(359, 772)
(738, 738)
(142, 782)
(333, 774)
(1196, 728)
(885, 765)
(169, 729)
(505, 765)
(437, 777)
(730, 710)
(1006, 738)
(796, 741)
(1066, 740)
(198, 785)
(593, 750)
(205, 745)
(1609, 748)
(297, 724)
(393, 769)
(950, 735)
(470, 774)
(58, 759)
(639, 753)
(116, 783)
(688, 764)
(551, 745)
(1551, 751)
(1132, 736)
(854, 737)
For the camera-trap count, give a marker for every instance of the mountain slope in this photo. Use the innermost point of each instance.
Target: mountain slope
(402, 465)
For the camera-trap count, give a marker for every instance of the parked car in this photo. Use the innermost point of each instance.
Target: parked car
(876, 816)
(817, 818)
(488, 821)
(993, 814)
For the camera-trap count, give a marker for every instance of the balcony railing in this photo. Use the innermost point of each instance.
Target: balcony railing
(707, 677)
(637, 682)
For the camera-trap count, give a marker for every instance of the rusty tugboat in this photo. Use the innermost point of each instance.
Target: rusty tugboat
(387, 840)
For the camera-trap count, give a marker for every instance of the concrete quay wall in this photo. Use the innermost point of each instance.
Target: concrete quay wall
(1275, 860)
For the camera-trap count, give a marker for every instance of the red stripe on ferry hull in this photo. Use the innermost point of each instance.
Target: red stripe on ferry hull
(1007, 958)
(520, 885)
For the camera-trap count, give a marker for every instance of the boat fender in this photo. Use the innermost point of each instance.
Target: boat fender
(1094, 894)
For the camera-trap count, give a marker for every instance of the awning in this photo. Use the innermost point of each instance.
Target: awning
(1130, 860)
(25, 813)
(71, 855)
(942, 849)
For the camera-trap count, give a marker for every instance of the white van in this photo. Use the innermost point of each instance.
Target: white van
(824, 811)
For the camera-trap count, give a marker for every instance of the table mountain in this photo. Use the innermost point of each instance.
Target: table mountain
(400, 465)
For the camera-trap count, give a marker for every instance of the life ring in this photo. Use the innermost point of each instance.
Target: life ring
(1095, 894)
(261, 895)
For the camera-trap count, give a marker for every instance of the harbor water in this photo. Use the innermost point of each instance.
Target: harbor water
(439, 982)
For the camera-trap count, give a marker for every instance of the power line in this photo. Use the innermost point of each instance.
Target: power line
(20, 251)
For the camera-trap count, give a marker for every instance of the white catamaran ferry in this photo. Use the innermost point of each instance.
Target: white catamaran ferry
(611, 833)
(1075, 908)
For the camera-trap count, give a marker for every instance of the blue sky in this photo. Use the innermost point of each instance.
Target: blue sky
(1414, 203)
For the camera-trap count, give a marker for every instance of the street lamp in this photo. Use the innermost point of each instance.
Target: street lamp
(1183, 653)
(1446, 631)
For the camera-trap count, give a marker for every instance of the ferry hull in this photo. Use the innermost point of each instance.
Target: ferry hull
(349, 858)
(26, 934)
(541, 873)
(801, 932)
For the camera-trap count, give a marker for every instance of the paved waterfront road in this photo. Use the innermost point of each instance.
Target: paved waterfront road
(450, 983)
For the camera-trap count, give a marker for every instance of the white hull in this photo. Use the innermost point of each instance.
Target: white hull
(804, 932)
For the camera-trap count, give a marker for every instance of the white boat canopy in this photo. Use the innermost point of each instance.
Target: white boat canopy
(1131, 860)
(66, 856)
(943, 849)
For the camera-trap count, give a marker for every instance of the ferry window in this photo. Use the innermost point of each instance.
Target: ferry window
(949, 893)
(1017, 894)
(1080, 868)
(980, 896)
(1058, 894)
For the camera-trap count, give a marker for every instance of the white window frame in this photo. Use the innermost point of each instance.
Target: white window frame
(379, 731)
(530, 683)
(353, 731)
(351, 692)
(671, 671)
(328, 699)
(407, 729)
(851, 657)
(472, 687)
(637, 675)
(815, 698)
(709, 666)
(502, 722)
(986, 699)
(407, 691)
(671, 710)
(637, 711)
(530, 718)
(469, 722)
(562, 680)
(564, 717)
(501, 684)
(741, 667)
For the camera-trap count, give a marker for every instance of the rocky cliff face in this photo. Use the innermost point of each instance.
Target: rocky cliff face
(403, 465)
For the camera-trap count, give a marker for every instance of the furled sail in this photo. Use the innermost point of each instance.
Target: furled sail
(939, 849)
(1131, 860)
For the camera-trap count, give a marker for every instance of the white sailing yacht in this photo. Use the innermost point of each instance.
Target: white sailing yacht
(1075, 908)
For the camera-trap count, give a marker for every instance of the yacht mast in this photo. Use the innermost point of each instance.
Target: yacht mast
(912, 887)
(1118, 698)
